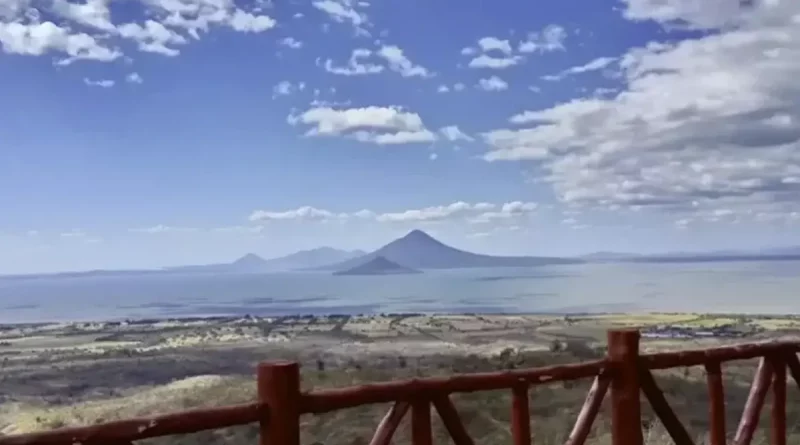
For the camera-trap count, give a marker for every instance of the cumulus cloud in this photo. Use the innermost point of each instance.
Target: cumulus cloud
(36, 39)
(391, 54)
(379, 125)
(707, 128)
(492, 83)
(495, 54)
(153, 37)
(487, 61)
(355, 66)
(475, 213)
(399, 63)
(22, 31)
(344, 11)
(494, 44)
(551, 38)
(291, 42)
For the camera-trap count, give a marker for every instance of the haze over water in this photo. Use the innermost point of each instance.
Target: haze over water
(755, 287)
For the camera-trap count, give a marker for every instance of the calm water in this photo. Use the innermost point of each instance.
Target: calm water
(762, 287)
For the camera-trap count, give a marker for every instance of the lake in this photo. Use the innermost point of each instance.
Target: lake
(757, 287)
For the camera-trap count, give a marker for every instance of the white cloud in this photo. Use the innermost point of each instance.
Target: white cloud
(246, 22)
(380, 125)
(453, 133)
(305, 213)
(489, 45)
(493, 83)
(93, 13)
(285, 88)
(494, 44)
(475, 213)
(551, 38)
(22, 31)
(164, 229)
(399, 63)
(41, 38)
(103, 83)
(354, 66)
(486, 61)
(134, 78)
(291, 42)
(458, 86)
(594, 65)
(153, 37)
(341, 11)
(393, 55)
(707, 128)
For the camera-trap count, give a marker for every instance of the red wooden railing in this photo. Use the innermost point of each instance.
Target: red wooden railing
(627, 373)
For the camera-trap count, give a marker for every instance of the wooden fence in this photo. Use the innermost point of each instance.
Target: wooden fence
(624, 371)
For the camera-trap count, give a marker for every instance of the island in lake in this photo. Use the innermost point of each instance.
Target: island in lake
(378, 266)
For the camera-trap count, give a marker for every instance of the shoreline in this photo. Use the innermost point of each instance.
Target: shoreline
(205, 318)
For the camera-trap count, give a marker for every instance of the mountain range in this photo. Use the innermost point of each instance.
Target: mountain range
(418, 250)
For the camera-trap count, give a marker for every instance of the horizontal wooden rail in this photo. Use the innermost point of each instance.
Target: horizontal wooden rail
(123, 431)
(326, 400)
(697, 357)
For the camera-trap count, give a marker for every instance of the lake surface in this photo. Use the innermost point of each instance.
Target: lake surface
(756, 287)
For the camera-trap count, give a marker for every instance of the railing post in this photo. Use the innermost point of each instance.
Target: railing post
(626, 411)
(421, 422)
(520, 414)
(779, 401)
(716, 407)
(279, 389)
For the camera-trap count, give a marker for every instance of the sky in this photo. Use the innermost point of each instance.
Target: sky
(150, 133)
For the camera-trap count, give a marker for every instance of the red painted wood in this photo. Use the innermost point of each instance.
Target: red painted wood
(594, 399)
(421, 433)
(755, 401)
(452, 421)
(279, 389)
(145, 427)
(520, 415)
(387, 427)
(626, 411)
(335, 399)
(673, 425)
(778, 430)
(716, 408)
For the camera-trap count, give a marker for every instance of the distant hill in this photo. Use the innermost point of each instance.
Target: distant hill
(418, 250)
(608, 256)
(378, 266)
(773, 254)
(250, 263)
(303, 259)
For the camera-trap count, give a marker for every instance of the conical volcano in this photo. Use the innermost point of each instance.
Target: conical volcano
(419, 250)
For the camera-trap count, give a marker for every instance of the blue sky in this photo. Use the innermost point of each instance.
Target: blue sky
(163, 132)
